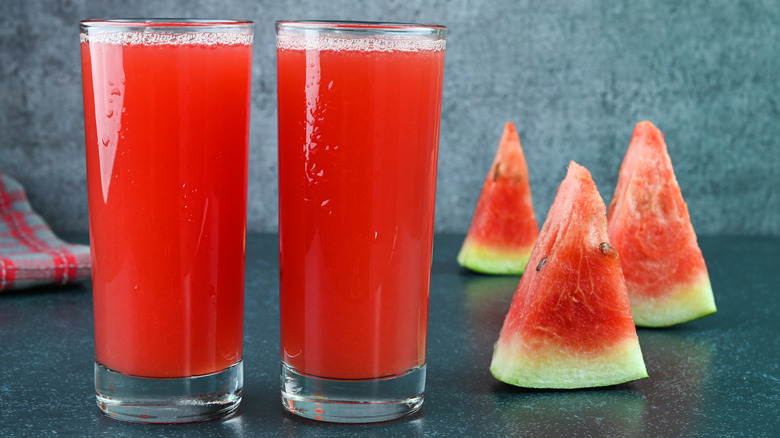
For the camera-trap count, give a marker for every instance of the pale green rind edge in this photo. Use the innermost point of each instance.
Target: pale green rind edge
(513, 366)
(688, 303)
(490, 261)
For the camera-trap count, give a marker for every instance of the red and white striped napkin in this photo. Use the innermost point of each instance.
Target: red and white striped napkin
(30, 253)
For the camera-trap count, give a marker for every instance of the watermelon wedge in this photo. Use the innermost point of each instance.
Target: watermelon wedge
(504, 228)
(569, 324)
(649, 224)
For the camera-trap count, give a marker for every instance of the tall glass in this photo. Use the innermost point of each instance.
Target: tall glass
(166, 115)
(359, 110)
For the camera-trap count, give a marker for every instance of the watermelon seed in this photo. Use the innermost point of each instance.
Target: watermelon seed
(496, 172)
(607, 249)
(541, 263)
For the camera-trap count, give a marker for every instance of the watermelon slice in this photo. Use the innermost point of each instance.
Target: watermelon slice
(666, 277)
(504, 227)
(569, 324)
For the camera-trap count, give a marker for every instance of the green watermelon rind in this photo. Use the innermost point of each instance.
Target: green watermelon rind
(486, 260)
(516, 364)
(687, 303)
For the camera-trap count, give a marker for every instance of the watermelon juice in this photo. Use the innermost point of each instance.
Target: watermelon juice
(358, 145)
(166, 122)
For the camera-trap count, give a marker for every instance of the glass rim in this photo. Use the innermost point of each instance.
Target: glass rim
(361, 27)
(162, 23)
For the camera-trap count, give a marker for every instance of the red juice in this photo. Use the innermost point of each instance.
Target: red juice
(167, 127)
(358, 145)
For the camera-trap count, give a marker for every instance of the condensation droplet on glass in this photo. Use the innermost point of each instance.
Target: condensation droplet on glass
(116, 92)
(110, 83)
(106, 140)
(135, 288)
(330, 85)
(110, 113)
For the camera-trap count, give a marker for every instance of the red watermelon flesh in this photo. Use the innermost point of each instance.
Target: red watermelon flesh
(649, 224)
(504, 228)
(569, 324)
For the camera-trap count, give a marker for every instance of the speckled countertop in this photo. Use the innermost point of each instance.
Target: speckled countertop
(718, 376)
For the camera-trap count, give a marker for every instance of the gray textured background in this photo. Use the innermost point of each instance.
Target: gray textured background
(574, 76)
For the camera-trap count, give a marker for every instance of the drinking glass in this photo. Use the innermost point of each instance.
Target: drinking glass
(359, 109)
(166, 115)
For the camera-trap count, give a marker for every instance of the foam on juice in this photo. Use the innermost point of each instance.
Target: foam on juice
(153, 37)
(352, 42)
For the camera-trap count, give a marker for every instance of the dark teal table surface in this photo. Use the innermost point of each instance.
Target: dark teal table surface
(718, 376)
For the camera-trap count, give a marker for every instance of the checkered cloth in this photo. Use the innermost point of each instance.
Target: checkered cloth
(30, 253)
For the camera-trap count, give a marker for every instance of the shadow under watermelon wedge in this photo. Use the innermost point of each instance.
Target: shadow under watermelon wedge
(504, 228)
(569, 324)
(649, 224)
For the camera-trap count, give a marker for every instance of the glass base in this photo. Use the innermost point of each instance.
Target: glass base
(149, 400)
(352, 401)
